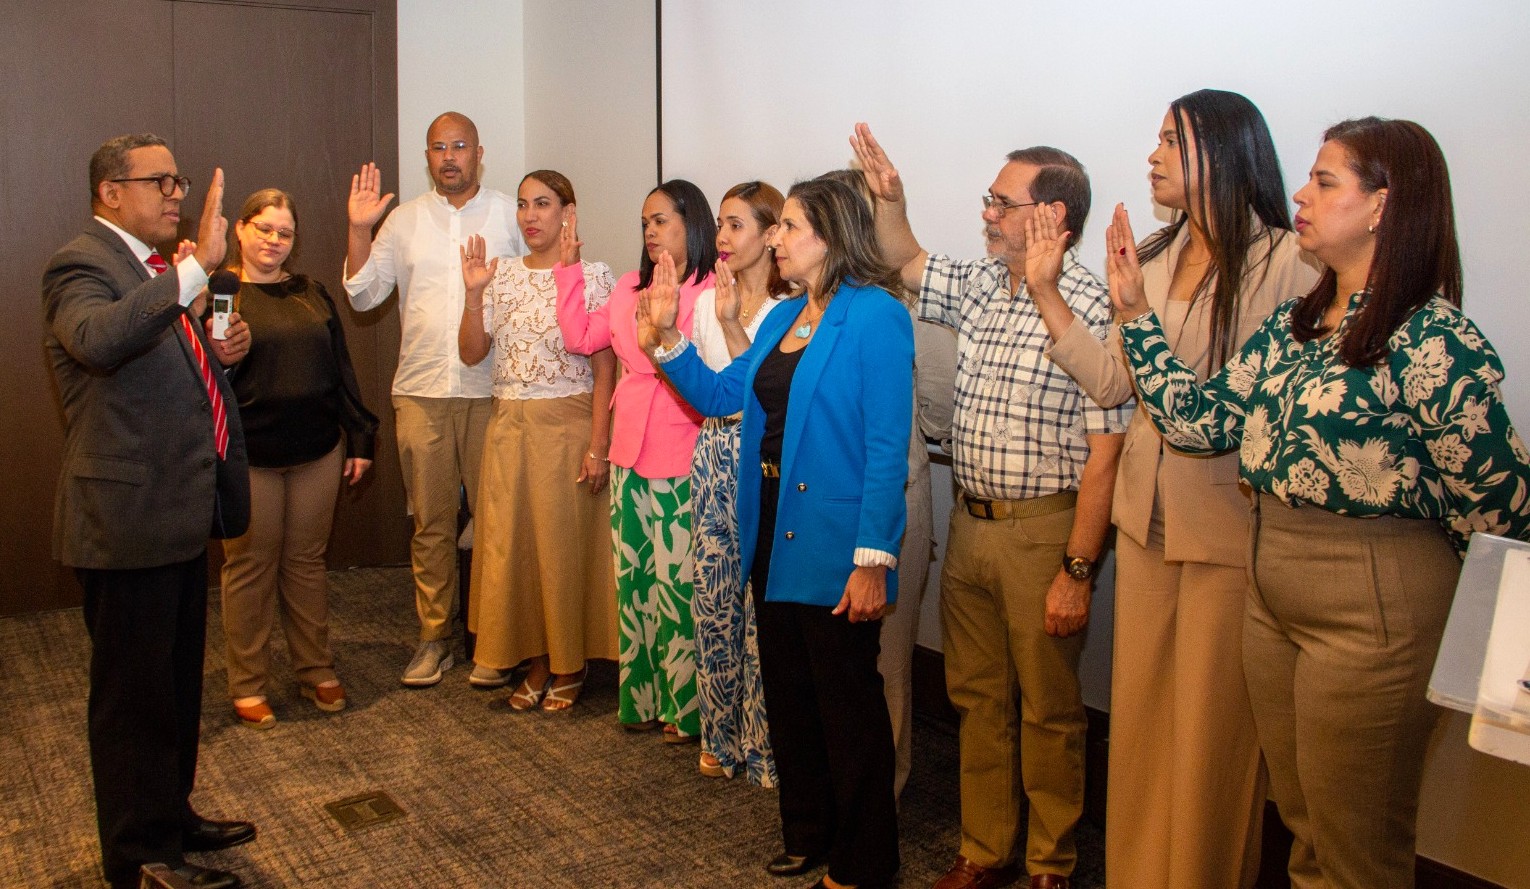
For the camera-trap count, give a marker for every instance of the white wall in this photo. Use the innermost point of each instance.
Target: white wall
(590, 115)
(950, 87)
(467, 56)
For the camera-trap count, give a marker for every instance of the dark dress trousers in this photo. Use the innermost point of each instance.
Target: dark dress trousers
(141, 489)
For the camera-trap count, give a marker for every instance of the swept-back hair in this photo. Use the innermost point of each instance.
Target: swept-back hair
(1060, 178)
(1416, 254)
(764, 201)
(843, 222)
(1238, 178)
(700, 232)
(556, 182)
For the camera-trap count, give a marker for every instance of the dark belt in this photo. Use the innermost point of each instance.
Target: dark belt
(769, 469)
(992, 510)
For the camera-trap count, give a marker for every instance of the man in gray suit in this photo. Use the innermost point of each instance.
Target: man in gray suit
(154, 462)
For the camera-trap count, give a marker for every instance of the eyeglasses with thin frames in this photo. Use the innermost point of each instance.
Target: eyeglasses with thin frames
(457, 147)
(167, 182)
(1000, 206)
(266, 232)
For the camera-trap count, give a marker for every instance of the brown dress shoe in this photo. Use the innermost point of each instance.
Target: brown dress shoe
(966, 875)
(1050, 881)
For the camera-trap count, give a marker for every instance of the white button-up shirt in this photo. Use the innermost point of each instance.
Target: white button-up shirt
(417, 249)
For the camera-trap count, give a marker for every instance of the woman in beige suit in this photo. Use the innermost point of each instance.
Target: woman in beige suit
(1186, 790)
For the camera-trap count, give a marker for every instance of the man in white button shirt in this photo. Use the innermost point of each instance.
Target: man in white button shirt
(441, 405)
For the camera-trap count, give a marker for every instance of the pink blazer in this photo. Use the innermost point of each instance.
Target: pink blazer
(653, 430)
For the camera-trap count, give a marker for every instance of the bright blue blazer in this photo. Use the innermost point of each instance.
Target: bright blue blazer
(844, 460)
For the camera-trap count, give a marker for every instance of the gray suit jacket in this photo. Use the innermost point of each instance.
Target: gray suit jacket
(142, 484)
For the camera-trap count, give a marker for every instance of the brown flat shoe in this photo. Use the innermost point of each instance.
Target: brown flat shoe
(329, 698)
(256, 716)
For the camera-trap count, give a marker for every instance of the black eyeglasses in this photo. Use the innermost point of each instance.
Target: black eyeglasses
(1000, 206)
(167, 183)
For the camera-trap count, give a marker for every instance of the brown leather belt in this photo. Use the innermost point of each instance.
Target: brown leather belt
(769, 469)
(993, 510)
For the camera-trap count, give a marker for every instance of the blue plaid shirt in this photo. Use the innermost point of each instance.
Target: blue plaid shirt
(1020, 421)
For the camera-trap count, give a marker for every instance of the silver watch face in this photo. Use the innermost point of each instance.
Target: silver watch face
(1080, 568)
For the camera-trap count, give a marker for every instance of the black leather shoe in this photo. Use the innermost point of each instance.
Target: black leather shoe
(788, 865)
(207, 878)
(209, 836)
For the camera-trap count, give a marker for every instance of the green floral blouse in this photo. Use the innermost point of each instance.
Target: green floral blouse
(1422, 435)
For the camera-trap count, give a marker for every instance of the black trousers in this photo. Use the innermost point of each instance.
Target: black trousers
(148, 628)
(829, 727)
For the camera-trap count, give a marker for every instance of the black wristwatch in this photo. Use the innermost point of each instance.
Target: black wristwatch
(1078, 567)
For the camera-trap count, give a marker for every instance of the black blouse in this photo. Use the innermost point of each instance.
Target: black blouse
(297, 390)
(773, 387)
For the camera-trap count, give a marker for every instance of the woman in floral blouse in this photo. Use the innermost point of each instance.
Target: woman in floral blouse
(542, 582)
(1371, 429)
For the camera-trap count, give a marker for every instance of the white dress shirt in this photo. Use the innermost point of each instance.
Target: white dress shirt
(188, 272)
(417, 249)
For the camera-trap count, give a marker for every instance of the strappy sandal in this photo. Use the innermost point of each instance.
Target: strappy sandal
(556, 701)
(526, 697)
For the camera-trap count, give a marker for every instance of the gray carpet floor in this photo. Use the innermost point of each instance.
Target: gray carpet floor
(491, 797)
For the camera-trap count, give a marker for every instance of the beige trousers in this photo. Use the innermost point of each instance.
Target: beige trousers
(440, 446)
(1185, 801)
(993, 602)
(1344, 622)
(277, 566)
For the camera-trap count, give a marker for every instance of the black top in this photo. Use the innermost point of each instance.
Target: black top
(773, 387)
(296, 387)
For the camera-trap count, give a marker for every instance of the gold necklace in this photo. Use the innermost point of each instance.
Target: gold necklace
(805, 329)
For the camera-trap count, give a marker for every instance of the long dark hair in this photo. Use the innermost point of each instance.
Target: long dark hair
(1416, 254)
(700, 232)
(843, 222)
(764, 201)
(1239, 175)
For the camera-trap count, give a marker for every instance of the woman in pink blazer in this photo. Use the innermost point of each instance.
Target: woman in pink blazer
(653, 433)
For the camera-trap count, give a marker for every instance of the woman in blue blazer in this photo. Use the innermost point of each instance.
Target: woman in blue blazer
(826, 393)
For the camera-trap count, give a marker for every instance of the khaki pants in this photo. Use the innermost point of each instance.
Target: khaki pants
(993, 602)
(278, 565)
(1185, 802)
(1344, 622)
(440, 446)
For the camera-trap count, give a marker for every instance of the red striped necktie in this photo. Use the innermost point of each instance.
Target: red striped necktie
(220, 414)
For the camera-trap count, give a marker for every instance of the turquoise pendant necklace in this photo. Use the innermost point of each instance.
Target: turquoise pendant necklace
(805, 329)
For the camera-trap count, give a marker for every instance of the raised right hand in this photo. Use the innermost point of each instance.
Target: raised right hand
(367, 204)
(1122, 270)
(880, 175)
(212, 230)
(476, 274)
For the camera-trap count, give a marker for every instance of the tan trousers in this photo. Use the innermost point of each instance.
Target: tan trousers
(440, 446)
(993, 602)
(278, 567)
(1185, 801)
(1344, 622)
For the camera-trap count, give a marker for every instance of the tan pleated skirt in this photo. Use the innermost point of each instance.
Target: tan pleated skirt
(542, 575)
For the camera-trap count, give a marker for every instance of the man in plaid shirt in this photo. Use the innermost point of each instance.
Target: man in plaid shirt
(1035, 461)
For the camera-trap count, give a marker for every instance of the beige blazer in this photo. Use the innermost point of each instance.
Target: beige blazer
(1205, 513)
